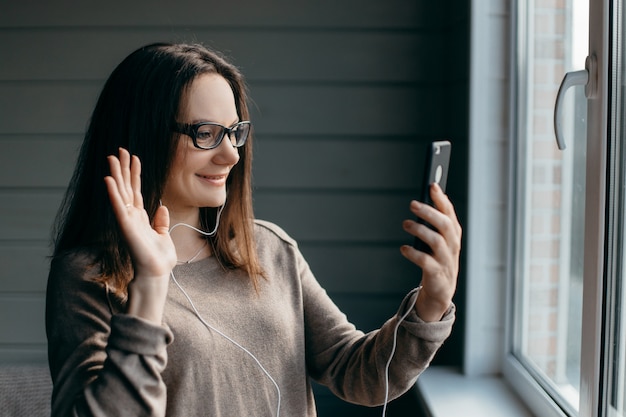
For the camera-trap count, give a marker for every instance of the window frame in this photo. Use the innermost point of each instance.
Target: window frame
(538, 398)
(522, 379)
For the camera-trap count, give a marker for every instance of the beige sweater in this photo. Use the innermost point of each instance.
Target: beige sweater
(106, 363)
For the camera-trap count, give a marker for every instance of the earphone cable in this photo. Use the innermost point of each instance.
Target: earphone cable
(202, 232)
(393, 351)
(207, 325)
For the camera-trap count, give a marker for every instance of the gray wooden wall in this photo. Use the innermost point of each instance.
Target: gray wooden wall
(346, 95)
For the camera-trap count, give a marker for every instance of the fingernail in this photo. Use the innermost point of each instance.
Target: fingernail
(405, 248)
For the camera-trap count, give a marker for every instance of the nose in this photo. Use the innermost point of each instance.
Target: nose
(226, 153)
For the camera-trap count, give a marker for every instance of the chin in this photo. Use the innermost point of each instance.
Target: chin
(216, 201)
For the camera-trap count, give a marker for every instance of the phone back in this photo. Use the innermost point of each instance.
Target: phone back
(436, 171)
(436, 167)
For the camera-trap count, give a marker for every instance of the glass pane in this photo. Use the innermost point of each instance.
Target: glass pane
(550, 200)
(616, 290)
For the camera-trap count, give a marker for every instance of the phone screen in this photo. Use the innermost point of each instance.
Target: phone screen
(436, 171)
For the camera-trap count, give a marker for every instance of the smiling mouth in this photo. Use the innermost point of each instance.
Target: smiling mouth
(217, 180)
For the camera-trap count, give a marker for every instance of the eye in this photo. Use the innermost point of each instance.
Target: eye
(206, 133)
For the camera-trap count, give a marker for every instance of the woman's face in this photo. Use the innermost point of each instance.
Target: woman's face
(198, 177)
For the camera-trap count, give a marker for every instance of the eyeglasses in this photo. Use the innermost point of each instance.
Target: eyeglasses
(209, 135)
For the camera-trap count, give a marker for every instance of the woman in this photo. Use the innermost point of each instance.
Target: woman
(166, 297)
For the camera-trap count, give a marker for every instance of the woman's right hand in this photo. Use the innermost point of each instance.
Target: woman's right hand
(151, 248)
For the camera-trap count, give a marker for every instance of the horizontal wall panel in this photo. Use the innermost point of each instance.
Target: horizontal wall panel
(396, 14)
(366, 110)
(20, 354)
(269, 55)
(24, 267)
(368, 312)
(316, 216)
(300, 162)
(22, 319)
(46, 108)
(387, 164)
(38, 160)
(336, 217)
(361, 269)
(28, 215)
(64, 107)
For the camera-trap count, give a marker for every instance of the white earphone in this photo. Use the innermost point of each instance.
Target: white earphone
(235, 343)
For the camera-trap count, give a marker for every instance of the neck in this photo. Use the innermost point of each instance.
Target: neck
(190, 217)
(190, 244)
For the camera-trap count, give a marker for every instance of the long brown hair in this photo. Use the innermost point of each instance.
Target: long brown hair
(137, 110)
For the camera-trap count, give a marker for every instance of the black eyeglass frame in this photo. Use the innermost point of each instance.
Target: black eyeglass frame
(191, 130)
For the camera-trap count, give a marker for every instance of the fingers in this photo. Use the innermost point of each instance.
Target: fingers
(440, 269)
(419, 258)
(116, 181)
(444, 205)
(124, 183)
(161, 222)
(135, 175)
(444, 241)
(443, 218)
(432, 238)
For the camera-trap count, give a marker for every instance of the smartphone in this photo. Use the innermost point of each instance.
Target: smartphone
(436, 171)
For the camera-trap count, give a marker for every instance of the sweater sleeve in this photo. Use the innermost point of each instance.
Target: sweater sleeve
(101, 363)
(352, 364)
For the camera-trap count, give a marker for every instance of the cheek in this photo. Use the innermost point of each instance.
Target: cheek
(169, 190)
(179, 163)
(176, 176)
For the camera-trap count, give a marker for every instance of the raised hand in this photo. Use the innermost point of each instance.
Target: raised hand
(440, 270)
(151, 248)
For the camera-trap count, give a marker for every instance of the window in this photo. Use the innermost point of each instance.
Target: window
(613, 399)
(567, 338)
(549, 203)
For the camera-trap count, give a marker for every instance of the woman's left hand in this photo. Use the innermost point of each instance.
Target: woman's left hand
(440, 269)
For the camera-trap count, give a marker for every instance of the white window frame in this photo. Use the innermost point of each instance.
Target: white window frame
(520, 378)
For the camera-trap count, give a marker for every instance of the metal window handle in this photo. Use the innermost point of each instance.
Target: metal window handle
(584, 77)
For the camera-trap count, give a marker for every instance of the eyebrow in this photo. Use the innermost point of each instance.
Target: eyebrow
(197, 121)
